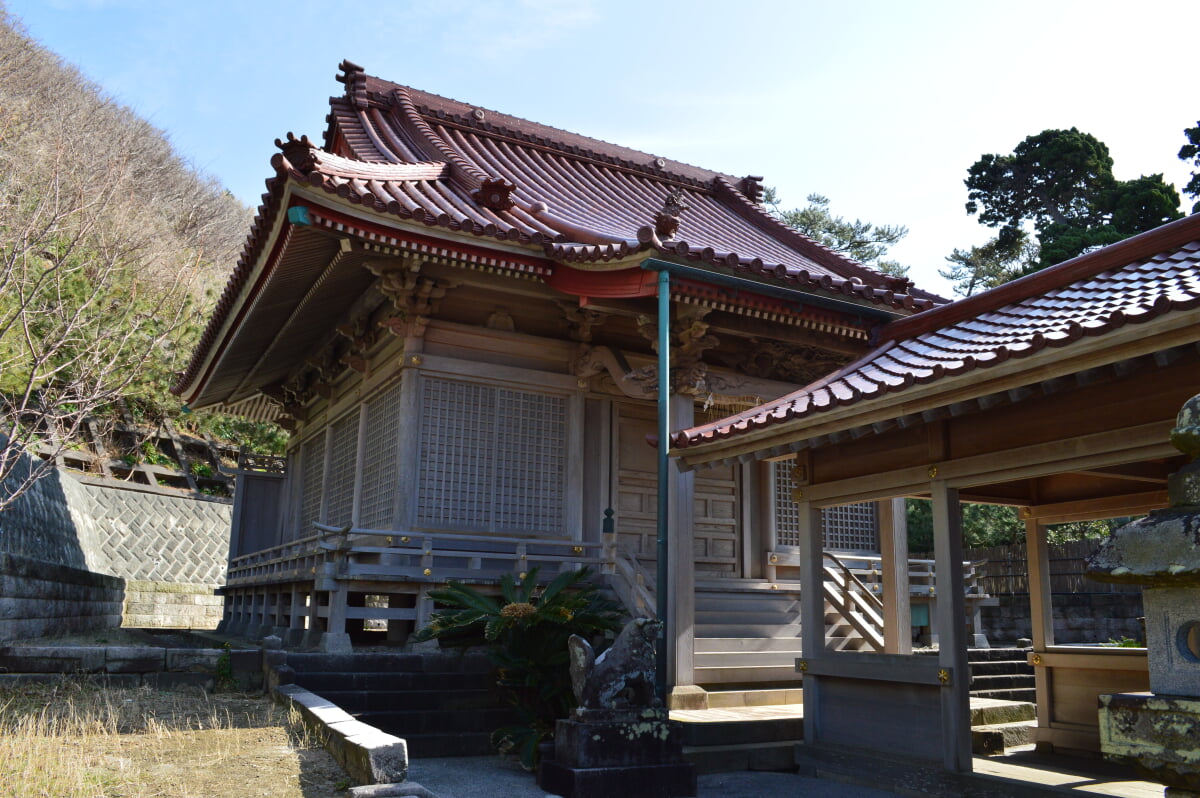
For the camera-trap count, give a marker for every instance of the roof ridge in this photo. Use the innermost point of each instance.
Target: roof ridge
(1170, 236)
(559, 139)
(823, 255)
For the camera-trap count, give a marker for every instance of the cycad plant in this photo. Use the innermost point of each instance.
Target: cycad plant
(525, 634)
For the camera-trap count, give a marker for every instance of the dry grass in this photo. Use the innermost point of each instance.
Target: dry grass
(73, 739)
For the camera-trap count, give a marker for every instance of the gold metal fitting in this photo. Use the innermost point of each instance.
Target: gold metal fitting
(521, 575)
(774, 587)
(582, 383)
(774, 558)
(416, 360)
(944, 676)
(932, 472)
(523, 557)
(1036, 659)
(797, 495)
(404, 538)
(802, 665)
(428, 572)
(389, 540)
(313, 569)
(577, 549)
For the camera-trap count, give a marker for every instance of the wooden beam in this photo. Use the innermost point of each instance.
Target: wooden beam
(1092, 509)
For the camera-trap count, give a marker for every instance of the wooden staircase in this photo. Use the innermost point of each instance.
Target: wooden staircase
(746, 633)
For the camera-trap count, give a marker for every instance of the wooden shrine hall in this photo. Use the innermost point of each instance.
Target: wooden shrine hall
(454, 312)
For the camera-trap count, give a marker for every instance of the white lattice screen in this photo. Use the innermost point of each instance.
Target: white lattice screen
(849, 527)
(380, 460)
(312, 472)
(343, 446)
(492, 459)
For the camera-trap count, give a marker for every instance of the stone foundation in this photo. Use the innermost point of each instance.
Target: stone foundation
(169, 605)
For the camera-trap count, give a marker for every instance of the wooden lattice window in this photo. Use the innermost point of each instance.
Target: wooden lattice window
(312, 479)
(343, 459)
(848, 527)
(381, 460)
(492, 459)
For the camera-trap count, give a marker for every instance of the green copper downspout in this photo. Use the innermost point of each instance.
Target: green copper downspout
(664, 441)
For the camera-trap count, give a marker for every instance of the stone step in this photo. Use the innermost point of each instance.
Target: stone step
(728, 699)
(736, 728)
(990, 654)
(728, 659)
(997, 667)
(725, 644)
(746, 601)
(991, 711)
(350, 680)
(447, 744)
(1017, 694)
(1006, 681)
(737, 758)
(411, 699)
(309, 662)
(418, 723)
(997, 738)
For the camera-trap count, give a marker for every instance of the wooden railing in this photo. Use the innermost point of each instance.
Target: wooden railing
(339, 553)
(853, 600)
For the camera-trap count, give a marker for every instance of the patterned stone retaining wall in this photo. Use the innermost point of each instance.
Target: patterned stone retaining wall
(78, 543)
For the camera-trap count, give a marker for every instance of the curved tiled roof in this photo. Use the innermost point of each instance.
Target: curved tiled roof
(583, 199)
(568, 198)
(1131, 282)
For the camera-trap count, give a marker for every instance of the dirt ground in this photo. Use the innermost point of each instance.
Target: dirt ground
(76, 740)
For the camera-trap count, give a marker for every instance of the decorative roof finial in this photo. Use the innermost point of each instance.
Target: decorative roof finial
(298, 152)
(666, 221)
(356, 83)
(752, 187)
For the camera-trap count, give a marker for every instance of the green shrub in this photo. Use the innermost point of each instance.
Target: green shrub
(525, 635)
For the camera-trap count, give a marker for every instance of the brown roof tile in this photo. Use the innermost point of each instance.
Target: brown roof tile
(1131, 282)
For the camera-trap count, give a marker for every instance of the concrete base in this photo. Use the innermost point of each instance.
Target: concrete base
(604, 753)
(630, 781)
(688, 697)
(335, 643)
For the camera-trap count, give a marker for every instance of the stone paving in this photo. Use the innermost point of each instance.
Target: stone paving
(492, 777)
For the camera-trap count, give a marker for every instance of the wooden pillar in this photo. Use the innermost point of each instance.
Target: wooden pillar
(812, 610)
(893, 549)
(952, 632)
(408, 447)
(1041, 611)
(681, 567)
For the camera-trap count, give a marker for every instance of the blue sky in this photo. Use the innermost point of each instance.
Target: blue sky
(881, 106)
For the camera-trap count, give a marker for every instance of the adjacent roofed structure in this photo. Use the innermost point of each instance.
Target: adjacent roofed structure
(1055, 394)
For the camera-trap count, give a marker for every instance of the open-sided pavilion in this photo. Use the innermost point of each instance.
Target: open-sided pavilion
(1056, 394)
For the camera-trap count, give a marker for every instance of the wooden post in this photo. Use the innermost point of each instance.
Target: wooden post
(1041, 615)
(812, 611)
(893, 549)
(951, 621)
(681, 562)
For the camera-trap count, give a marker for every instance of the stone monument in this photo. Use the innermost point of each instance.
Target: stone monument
(1159, 732)
(620, 740)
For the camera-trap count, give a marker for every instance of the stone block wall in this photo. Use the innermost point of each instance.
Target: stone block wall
(68, 549)
(171, 605)
(1078, 617)
(38, 598)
